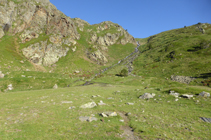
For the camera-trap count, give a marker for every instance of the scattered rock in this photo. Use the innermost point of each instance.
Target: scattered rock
(94, 96)
(21, 61)
(130, 103)
(67, 102)
(110, 98)
(89, 105)
(182, 79)
(55, 86)
(128, 114)
(108, 114)
(77, 71)
(72, 107)
(88, 119)
(147, 96)
(175, 94)
(204, 94)
(101, 103)
(23, 75)
(74, 49)
(9, 87)
(208, 120)
(187, 96)
(1, 74)
(121, 120)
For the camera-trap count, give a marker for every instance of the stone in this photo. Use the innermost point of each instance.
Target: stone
(121, 120)
(21, 61)
(89, 105)
(204, 94)
(182, 79)
(94, 96)
(128, 114)
(72, 107)
(108, 114)
(9, 87)
(110, 98)
(74, 49)
(101, 103)
(1, 33)
(67, 102)
(77, 71)
(173, 93)
(1, 74)
(147, 96)
(88, 119)
(55, 86)
(130, 103)
(187, 96)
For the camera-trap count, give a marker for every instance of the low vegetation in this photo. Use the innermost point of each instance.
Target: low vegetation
(33, 110)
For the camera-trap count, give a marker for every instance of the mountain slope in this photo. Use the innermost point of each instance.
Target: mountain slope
(185, 51)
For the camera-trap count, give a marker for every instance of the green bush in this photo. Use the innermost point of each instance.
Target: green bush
(123, 73)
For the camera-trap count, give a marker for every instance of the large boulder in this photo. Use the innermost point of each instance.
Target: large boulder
(147, 96)
(204, 94)
(182, 79)
(89, 105)
(44, 54)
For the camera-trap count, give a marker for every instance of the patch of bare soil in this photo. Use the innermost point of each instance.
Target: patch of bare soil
(128, 133)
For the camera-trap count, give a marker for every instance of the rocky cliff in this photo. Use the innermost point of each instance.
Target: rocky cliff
(33, 19)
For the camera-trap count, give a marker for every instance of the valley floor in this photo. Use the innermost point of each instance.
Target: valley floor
(54, 113)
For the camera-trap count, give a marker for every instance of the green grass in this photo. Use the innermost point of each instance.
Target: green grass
(39, 114)
(177, 52)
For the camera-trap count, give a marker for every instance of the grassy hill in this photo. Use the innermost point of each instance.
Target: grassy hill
(185, 51)
(33, 110)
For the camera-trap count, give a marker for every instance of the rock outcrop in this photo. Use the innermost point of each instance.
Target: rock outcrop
(107, 34)
(182, 79)
(44, 54)
(34, 17)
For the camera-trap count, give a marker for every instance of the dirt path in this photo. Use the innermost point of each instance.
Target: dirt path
(128, 133)
(36, 67)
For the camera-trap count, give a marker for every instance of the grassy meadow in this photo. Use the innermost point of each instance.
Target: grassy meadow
(34, 110)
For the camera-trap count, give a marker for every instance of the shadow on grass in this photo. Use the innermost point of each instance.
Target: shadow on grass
(204, 75)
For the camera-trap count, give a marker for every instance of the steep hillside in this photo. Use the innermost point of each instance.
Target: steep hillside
(43, 35)
(35, 36)
(180, 52)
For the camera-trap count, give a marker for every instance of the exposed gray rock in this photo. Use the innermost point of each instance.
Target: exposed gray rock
(67, 102)
(10, 87)
(89, 105)
(204, 94)
(108, 114)
(72, 107)
(88, 119)
(97, 56)
(35, 16)
(1, 32)
(187, 96)
(147, 96)
(128, 114)
(121, 120)
(41, 53)
(173, 93)
(101, 103)
(55, 86)
(182, 79)
(130, 103)
(94, 96)
(1, 74)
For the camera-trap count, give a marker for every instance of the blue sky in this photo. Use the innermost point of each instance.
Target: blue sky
(142, 18)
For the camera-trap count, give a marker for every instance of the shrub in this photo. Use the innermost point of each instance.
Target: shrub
(123, 73)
